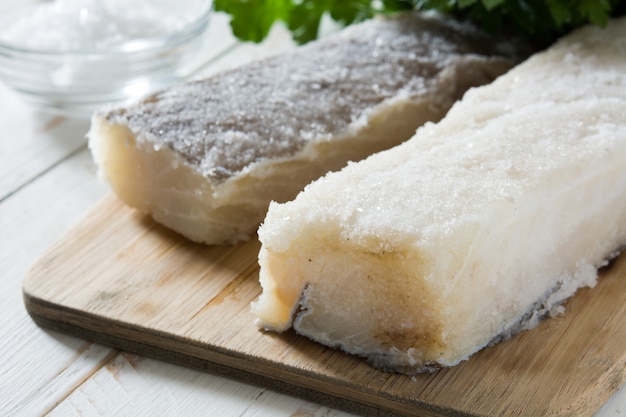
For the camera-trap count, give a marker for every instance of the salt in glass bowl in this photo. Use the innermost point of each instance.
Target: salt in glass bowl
(77, 81)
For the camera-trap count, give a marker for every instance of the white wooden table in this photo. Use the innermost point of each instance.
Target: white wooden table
(47, 183)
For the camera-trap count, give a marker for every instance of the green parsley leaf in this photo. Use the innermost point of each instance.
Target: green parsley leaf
(251, 20)
(596, 10)
(538, 20)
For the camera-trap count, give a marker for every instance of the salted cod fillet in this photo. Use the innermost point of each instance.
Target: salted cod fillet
(475, 229)
(205, 158)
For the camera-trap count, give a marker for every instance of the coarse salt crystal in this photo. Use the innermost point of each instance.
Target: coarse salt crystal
(70, 25)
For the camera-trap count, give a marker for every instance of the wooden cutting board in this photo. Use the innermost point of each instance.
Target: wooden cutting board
(122, 280)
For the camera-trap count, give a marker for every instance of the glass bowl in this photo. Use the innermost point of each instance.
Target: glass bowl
(76, 80)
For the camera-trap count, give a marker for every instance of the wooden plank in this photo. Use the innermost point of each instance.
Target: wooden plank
(39, 368)
(122, 280)
(33, 142)
(157, 388)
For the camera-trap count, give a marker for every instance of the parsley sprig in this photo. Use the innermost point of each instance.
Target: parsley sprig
(538, 20)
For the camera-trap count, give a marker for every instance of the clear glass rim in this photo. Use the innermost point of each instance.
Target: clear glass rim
(135, 45)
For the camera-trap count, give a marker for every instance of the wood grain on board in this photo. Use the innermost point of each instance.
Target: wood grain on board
(122, 280)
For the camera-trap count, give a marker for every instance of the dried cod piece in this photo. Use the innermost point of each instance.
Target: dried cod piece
(471, 231)
(205, 158)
